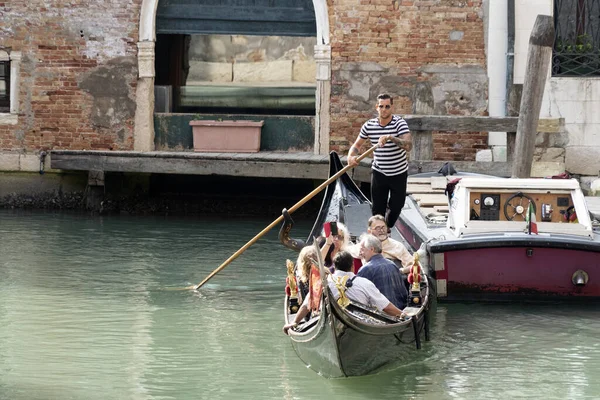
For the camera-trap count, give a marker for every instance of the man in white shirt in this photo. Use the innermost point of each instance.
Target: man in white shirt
(357, 289)
(391, 248)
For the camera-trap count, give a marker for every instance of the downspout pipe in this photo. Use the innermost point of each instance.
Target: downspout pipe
(510, 54)
(497, 63)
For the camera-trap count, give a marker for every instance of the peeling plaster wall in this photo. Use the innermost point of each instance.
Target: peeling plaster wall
(429, 55)
(78, 74)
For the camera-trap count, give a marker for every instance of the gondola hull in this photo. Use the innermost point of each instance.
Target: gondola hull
(335, 348)
(355, 340)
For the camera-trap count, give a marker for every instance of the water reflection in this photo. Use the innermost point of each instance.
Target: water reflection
(84, 315)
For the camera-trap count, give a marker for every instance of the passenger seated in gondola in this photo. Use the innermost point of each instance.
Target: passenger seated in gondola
(311, 279)
(337, 238)
(381, 271)
(334, 242)
(344, 283)
(303, 268)
(390, 248)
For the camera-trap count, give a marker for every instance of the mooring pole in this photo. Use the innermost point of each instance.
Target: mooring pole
(536, 72)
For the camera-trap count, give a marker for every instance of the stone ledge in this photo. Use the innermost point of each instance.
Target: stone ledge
(542, 169)
(9, 119)
(9, 161)
(19, 162)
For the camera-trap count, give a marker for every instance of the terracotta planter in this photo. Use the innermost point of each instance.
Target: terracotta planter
(227, 136)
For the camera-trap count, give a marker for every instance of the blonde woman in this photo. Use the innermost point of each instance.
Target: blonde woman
(334, 244)
(307, 256)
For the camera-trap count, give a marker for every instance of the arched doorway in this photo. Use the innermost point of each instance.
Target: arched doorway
(144, 127)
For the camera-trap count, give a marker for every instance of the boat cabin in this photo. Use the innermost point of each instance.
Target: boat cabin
(490, 205)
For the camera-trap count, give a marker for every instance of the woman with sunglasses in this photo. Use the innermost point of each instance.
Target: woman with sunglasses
(390, 163)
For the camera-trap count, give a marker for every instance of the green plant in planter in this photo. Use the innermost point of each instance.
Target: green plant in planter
(577, 57)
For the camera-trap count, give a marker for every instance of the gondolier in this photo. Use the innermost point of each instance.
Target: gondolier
(390, 164)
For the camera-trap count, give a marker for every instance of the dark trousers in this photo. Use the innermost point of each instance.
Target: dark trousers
(383, 187)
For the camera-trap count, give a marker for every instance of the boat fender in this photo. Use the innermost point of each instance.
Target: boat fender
(450, 186)
(284, 233)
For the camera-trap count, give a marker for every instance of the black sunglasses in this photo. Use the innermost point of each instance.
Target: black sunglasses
(387, 106)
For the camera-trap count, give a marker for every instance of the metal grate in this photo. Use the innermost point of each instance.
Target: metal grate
(4, 86)
(577, 38)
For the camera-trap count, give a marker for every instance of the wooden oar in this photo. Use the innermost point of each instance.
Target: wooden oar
(280, 219)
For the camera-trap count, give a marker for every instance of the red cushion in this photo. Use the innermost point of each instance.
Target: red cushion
(357, 265)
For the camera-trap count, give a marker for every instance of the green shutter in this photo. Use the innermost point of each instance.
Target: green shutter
(237, 17)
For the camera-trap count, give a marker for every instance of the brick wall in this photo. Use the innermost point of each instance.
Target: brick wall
(79, 68)
(428, 54)
(458, 146)
(78, 73)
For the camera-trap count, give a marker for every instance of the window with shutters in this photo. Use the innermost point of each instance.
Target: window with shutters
(4, 86)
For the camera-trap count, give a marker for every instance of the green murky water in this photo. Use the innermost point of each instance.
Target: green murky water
(84, 314)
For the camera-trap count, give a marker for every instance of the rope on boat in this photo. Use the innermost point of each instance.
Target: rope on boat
(416, 329)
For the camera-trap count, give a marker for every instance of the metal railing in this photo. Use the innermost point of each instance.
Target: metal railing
(576, 49)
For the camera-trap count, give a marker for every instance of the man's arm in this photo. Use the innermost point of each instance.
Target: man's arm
(403, 141)
(377, 299)
(395, 250)
(393, 310)
(354, 151)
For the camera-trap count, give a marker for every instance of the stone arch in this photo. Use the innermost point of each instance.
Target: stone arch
(144, 114)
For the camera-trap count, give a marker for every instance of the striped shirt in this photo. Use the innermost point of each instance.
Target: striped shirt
(390, 159)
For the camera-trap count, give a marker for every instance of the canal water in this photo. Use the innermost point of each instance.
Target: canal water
(85, 313)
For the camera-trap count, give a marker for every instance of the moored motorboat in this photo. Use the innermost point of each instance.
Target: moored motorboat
(356, 339)
(503, 238)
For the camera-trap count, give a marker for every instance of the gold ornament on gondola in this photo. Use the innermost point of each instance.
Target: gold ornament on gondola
(291, 278)
(291, 288)
(414, 278)
(340, 284)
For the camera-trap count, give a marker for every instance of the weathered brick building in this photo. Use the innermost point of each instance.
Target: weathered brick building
(80, 75)
(429, 54)
(76, 83)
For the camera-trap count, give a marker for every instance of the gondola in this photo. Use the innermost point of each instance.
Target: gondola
(354, 340)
